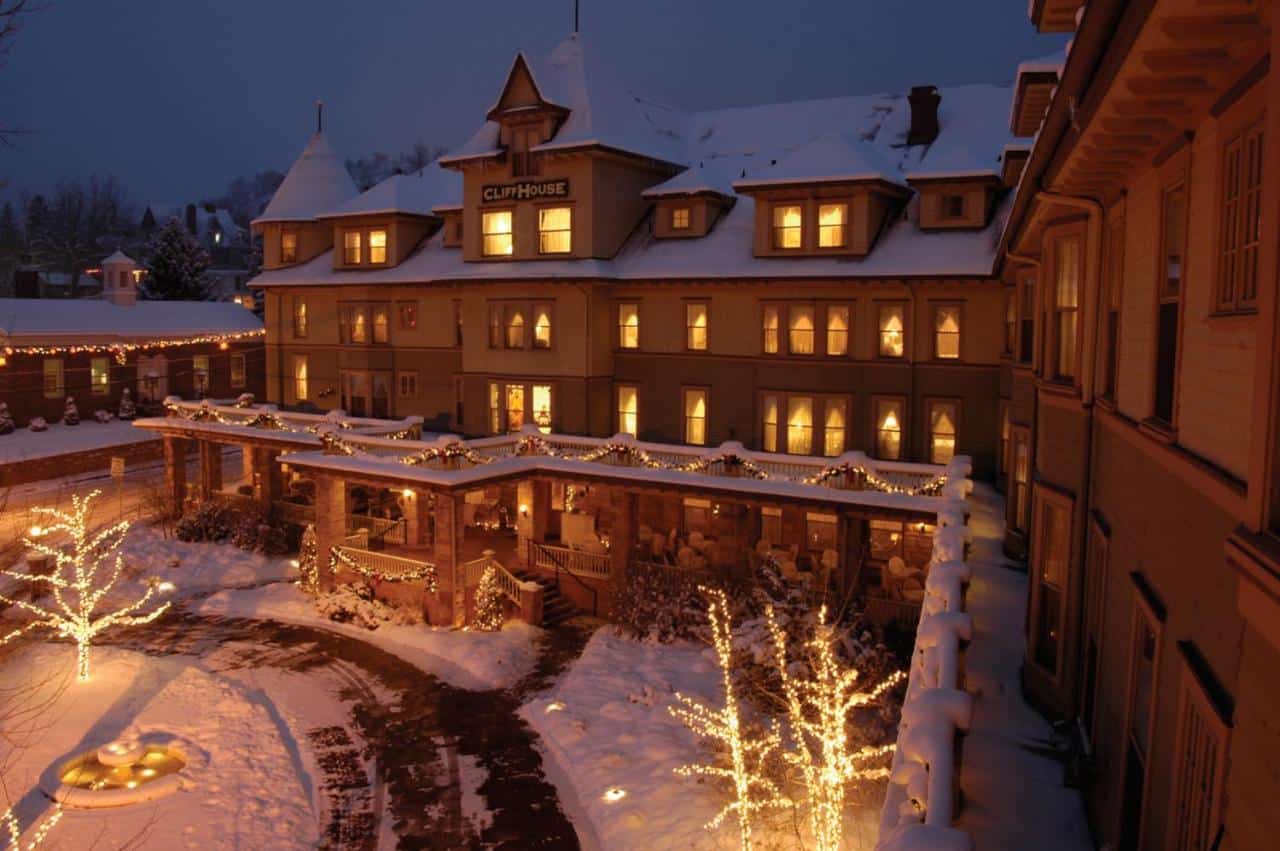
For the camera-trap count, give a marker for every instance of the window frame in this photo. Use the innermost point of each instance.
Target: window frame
(850, 315)
(620, 337)
(1067, 374)
(771, 345)
(386, 246)
(1233, 246)
(1113, 302)
(944, 209)
(1195, 695)
(689, 304)
(290, 256)
(619, 413)
(486, 234)
(407, 315)
(103, 388)
(1045, 497)
(685, 390)
(679, 213)
(412, 376)
(843, 226)
(888, 304)
(1020, 515)
(793, 309)
(929, 403)
(938, 308)
(1145, 608)
(301, 383)
(239, 377)
(876, 401)
(352, 240)
(542, 233)
(301, 329)
(1177, 181)
(778, 232)
(536, 309)
(818, 426)
(1096, 574)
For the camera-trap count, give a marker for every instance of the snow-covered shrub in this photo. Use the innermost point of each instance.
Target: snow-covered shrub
(210, 521)
(254, 531)
(70, 413)
(38, 424)
(102, 416)
(128, 410)
(6, 419)
(356, 605)
(661, 604)
(244, 400)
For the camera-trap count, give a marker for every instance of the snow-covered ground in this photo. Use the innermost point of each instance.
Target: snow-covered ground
(1014, 795)
(462, 658)
(606, 725)
(245, 787)
(24, 444)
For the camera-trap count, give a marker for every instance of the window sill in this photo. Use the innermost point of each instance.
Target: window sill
(1059, 388)
(1159, 430)
(1225, 317)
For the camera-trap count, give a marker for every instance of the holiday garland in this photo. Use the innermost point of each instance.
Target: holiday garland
(120, 350)
(338, 558)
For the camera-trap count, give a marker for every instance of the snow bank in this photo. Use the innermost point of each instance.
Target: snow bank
(26, 445)
(462, 658)
(918, 808)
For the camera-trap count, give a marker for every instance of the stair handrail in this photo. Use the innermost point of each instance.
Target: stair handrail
(510, 584)
(551, 555)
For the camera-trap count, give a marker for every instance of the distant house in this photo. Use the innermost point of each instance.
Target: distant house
(213, 227)
(33, 281)
(93, 349)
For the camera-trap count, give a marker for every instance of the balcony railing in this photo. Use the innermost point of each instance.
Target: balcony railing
(382, 565)
(574, 562)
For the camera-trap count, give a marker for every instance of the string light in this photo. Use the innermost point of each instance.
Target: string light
(339, 558)
(490, 602)
(752, 788)
(78, 582)
(11, 826)
(120, 350)
(818, 708)
(308, 563)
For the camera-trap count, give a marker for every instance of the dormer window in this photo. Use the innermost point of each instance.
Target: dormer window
(832, 219)
(289, 246)
(788, 226)
(523, 162)
(377, 246)
(496, 229)
(351, 248)
(680, 218)
(555, 230)
(953, 206)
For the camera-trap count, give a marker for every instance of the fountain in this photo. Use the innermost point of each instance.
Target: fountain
(126, 771)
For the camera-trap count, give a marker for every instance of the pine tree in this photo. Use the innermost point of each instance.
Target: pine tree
(6, 419)
(490, 603)
(70, 413)
(37, 220)
(176, 266)
(128, 410)
(10, 233)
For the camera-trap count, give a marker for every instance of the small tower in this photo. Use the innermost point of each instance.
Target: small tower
(119, 284)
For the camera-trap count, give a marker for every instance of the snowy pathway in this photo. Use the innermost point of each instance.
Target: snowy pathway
(1013, 787)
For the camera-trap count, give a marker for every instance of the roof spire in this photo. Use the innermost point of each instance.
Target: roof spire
(575, 17)
(319, 116)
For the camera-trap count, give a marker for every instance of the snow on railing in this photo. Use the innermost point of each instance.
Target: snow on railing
(919, 807)
(510, 584)
(230, 413)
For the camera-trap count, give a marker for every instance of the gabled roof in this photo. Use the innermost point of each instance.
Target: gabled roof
(830, 158)
(415, 194)
(315, 184)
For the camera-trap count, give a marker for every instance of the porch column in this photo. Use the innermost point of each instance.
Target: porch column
(331, 523)
(210, 469)
(265, 478)
(448, 554)
(175, 470)
(533, 514)
(622, 537)
(416, 507)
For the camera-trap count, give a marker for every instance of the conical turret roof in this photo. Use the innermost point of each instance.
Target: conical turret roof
(316, 183)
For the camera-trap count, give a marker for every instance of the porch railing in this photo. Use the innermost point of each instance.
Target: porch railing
(383, 565)
(294, 512)
(381, 528)
(574, 562)
(358, 539)
(508, 582)
(885, 611)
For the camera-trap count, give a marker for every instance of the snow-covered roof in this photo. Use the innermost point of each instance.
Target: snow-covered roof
(832, 157)
(119, 256)
(417, 193)
(1051, 64)
(316, 183)
(30, 320)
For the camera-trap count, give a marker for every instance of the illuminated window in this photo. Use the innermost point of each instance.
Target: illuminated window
(834, 435)
(1027, 320)
(1067, 304)
(495, 326)
(542, 407)
(1010, 318)
(299, 317)
(353, 324)
(381, 324)
(515, 407)
(514, 326)
(800, 329)
(695, 318)
(695, 417)
(495, 409)
(838, 329)
(771, 323)
(496, 230)
(200, 373)
(407, 385)
(377, 246)
(1021, 478)
(891, 331)
(942, 431)
(1052, 545)
(946, 332)
(288, 246)
(788, 230)
(100, 376)
(628, 326)
(555, 232)
(800, 425)
(820, 531)
(628, 408)
(301, 388)
(889, 429)
(953, 206)
(351, 247)
(832, 219)
(409, 316)
(238, 371)
(1241, 194)
(680, 218)
(542, 326)
(1006, 440)
(769, 435)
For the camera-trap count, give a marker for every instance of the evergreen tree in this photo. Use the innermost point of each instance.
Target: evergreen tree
(176, 266)
(6, 419)
(37, 219)
(128, 410)
(70, 413)
(490, 603)
(10, 232)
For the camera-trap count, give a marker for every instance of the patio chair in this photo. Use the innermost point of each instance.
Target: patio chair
(904, 583)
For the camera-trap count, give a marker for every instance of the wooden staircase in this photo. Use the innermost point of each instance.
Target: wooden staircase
(556, 608)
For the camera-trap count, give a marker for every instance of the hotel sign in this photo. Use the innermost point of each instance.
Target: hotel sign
(525, 190)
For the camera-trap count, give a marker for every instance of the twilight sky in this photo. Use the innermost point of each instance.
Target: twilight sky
(175, 97)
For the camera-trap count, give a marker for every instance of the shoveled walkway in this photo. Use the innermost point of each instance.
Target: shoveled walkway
(1014, 795)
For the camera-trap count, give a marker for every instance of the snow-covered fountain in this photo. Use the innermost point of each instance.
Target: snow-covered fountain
(126, 771)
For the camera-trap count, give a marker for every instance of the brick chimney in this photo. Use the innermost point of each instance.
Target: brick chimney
(924, 102)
